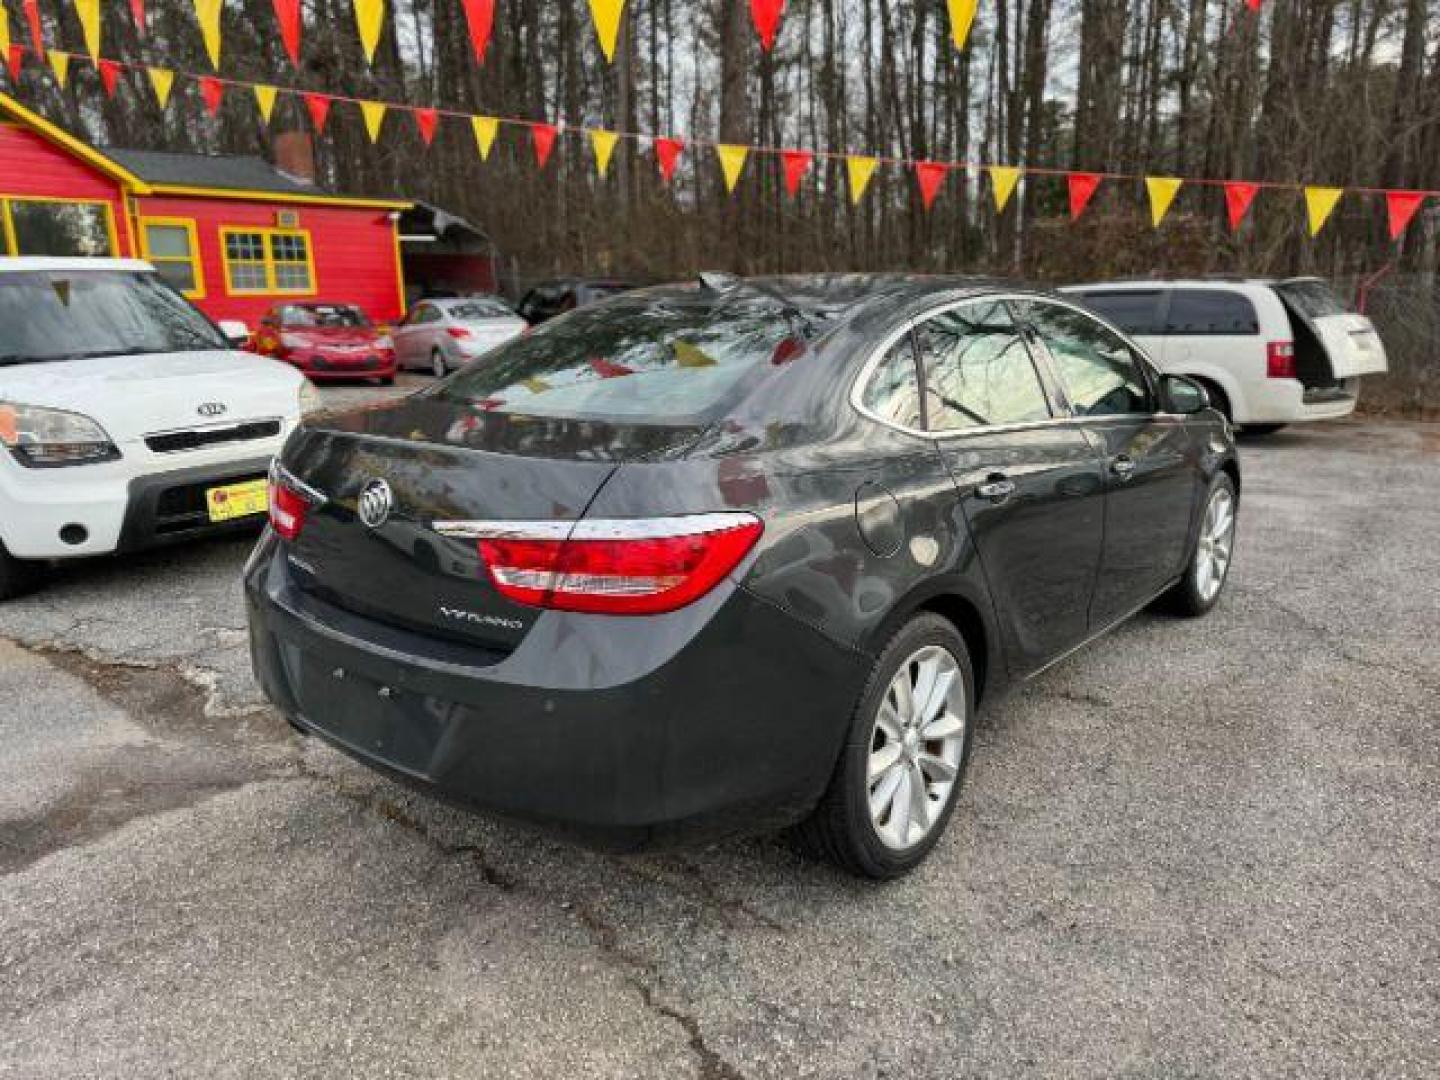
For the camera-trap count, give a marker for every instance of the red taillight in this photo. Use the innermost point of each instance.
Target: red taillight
(459, 333)
(1280, 359)
(616, 567)
(288, 506)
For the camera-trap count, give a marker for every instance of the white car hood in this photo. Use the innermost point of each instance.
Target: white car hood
(131, 396)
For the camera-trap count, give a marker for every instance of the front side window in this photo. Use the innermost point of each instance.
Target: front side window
(268, 261)
(978, 371)
(893, 392)
(1101, 374)
(171, 248)
(42, 227)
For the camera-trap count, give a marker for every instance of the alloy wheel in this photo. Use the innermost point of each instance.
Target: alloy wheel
(1217, 534)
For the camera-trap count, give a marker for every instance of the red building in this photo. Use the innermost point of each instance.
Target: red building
(234, 234)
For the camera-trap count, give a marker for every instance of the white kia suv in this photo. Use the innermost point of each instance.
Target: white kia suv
(1270, 353)
(126, 417)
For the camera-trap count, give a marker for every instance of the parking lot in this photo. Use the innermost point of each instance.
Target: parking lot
(1197, 848)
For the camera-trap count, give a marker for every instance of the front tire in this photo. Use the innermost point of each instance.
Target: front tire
(1209, 567)
(904, 759)
(18, 576)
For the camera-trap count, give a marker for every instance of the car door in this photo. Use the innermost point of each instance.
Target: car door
(1030, 483)
(1152, 473)
(403, 336)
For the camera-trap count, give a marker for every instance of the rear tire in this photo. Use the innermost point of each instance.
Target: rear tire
(1199, 590)
(1260, 430)
(924, 737)
(18, 576)
(438, 367)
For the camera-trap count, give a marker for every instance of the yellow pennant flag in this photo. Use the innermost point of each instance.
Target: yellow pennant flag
(860, 170)
(374, 113)
(1162, 191)
(4, 35)
(607, 15)
(265, 99)
(60, 64)
(1003, 179)
(603, 143)
(208, 13)
(692, 356)
(88, 12)
(369, 20)
(732, 163)
(485, 129)
(962, 17)
(161, 80)
(1319, 203)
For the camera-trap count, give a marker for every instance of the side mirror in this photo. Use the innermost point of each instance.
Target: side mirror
(236, 332)
(1183, 395)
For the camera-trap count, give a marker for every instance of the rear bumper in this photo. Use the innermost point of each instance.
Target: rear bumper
(1288, 401)
(731, 723)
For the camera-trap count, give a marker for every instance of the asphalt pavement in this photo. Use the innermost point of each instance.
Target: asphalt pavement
(1197, 848)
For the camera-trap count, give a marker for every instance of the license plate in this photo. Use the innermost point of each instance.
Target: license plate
(236, 500)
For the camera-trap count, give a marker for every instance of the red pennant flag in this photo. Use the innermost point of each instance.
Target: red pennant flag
(543, 138)
(930, 174)
(765, 14)
(797, 164)
(137, 12)
(37, 34)
(1082, 190)
(212, 90)
(1239, 194)
(319, 106)
(425, 120)
(667, 153)
(1253, 5)
(1400, 207)
(14, 61)
(287, 14)
(479, 17)
(109, 75)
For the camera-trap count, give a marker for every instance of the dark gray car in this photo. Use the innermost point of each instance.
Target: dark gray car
(734, 555)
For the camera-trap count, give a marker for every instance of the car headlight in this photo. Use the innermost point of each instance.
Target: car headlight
(309, 397)
(41, 438)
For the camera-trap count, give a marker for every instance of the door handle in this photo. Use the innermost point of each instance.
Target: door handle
(1123, 467)
(997, 488)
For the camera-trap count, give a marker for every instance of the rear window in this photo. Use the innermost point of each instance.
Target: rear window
(1210, 311)
(655, 362)
(322, 315)
(480, 309)
(1313, 299)
(1135, 311)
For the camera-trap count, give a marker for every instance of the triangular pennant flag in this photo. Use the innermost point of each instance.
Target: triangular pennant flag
(208, 13)
(859, 170)
(1400, 207)
(1162, 191)
(667, 156)
(14, 59)
(373, 113)
(369, 21)
(1319, 203)
(930, 174)
(962, 17)
(5, 41)
(797, 164)
(265, 101)
(427, 120)
(161, 81)
(603, 143)
(691, 356)
(732, 163)
(318, 105)
(765, 14)
(542, 137)
(1253, 5)
(1239, 194)
(60, 65)
(88, 11)
(606, 14)
(37, 35)
(1082, 187)
(1003, 179)
(485, 128)
(287, 14)
(109, 75)
(212, 91)
(137, 13)
(479, 20)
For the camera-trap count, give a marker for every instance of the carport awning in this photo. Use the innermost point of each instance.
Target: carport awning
(425, 227)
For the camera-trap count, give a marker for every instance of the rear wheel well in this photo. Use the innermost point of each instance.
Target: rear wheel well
(963, 615)
(1232, 470)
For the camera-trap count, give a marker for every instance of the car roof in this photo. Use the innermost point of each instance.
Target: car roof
(1218, 281)
(18, 263)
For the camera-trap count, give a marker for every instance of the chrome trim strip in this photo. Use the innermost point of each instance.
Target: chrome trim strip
(280, 474)
(596, 528)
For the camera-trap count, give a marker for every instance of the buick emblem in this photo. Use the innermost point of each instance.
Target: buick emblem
(211, 408)
(376, 502)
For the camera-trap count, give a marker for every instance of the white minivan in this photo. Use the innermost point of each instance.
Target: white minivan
(1270, 353)
(127, 419)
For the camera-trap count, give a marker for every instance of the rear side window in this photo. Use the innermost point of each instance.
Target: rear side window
(1136, 311)
(893, 392)
(978, 371)
(1313, 299)
(1210, 312)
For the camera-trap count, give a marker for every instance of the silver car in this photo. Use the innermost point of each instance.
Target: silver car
(442, 335)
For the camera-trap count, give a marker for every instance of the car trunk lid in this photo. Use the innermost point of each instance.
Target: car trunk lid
(1331, 342)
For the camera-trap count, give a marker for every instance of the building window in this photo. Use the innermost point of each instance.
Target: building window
(172, 248)
(268, 261)
(48, 227)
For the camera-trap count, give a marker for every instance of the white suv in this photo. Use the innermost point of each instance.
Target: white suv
(1269, 352)
(126, 417)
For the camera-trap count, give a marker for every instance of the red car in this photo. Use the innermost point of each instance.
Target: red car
(327, 341)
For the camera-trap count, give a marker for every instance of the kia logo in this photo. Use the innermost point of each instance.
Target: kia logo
(211, 408)
(376, 501)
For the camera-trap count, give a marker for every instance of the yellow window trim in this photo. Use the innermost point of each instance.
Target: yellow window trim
(279, 196)
(12, 245)
(268, 260)
(197, 269)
